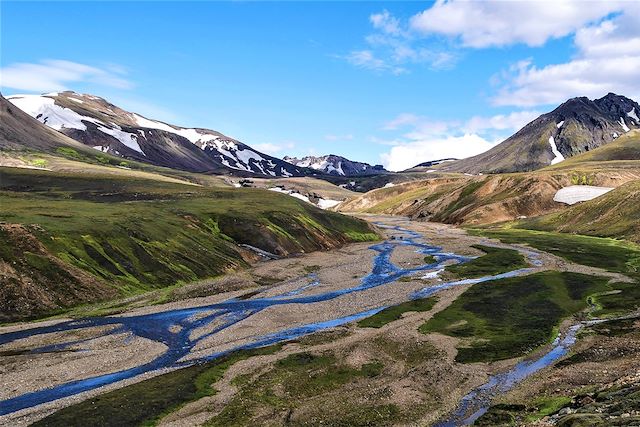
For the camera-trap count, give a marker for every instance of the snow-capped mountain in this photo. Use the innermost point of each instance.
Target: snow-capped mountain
(576, 126)
(336, 165)
(105, 127)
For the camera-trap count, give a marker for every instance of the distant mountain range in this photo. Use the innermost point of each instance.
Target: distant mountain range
(105, 127)
(336, 165)
(577, 126)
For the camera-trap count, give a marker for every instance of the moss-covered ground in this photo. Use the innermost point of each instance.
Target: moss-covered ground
(146, 402)
(494, 261)
(507, 318)
(138, 234)
(395, 312)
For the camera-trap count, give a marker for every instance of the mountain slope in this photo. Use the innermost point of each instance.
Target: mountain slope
(577, 126)
(336, 165)
(70, 238)
(625, 151)
(107, 128)
(614, 214)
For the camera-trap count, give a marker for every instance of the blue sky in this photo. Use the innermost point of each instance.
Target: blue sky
(394, 83)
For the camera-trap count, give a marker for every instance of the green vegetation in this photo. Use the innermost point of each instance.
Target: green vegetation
(495, 261)
(609, 254)
(507, 414)
(154, 234)
(395, 312)
(291, 382)
(507, 318)
(146, 402)
(311, 268)
(430, 259)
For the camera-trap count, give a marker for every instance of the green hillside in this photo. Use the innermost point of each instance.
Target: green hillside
(68, 238)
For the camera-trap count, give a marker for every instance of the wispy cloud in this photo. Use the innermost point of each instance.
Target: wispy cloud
(392, 48)
(57, 75)
(331, 137)
(366, 59)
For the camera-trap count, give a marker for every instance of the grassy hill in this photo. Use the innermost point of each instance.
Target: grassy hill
(615, 214)
(70, 238)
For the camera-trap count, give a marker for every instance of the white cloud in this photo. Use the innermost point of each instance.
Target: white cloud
(480, 24)
(273, 149)
(56, 75)
(385, 22)
(424, 139)
(607, 60)
(366, 59)
(408, 154)
(512, 121)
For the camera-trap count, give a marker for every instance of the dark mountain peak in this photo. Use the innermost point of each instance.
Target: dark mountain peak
(616, 104)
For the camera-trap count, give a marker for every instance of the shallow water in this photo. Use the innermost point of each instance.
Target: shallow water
(159, 326)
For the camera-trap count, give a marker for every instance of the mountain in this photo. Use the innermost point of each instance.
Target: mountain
(105, 127)
(577, 126)
(19, 130)
(430, 163)
(336, 165)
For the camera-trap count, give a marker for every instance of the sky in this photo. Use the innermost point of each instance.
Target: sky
(393, 83)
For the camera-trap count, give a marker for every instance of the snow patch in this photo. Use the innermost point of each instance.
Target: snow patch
(389, 185)
(126, 138)
(633, 114)
(558, 157)
(327, 203)
(79, 101)
(579, 193)
(624, 125)
(559, 125)
(46, 111)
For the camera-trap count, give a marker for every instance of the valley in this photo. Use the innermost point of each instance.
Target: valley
(247, 341)
(154, 274)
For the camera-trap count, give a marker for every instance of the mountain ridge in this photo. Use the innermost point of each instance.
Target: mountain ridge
(96, 123)
(333, 164)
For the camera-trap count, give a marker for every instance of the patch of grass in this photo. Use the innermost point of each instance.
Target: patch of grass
(507, 318)
(290, 383)
(144, 403)
(495, 261)
(430, 259)
(609, 254)
(39, 163)
(68, 152)
(508, 414)
(395, 312)
(311, 268)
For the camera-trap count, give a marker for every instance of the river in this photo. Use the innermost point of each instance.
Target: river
(174, 328)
